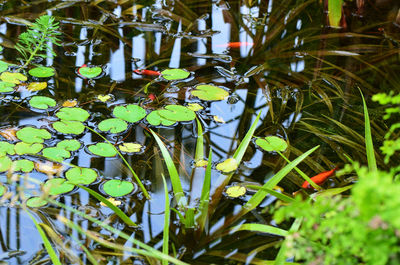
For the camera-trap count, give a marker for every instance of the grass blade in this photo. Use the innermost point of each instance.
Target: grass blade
(205, 196)
(281, 257)
(259, 228)
(278, 195)
(199, 154)
(167, 213)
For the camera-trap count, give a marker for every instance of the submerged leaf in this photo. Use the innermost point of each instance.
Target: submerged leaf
(41, 102)
(32, 135)
(69, 127)
(175, 74)
(209, 92)
(81, 175)
(35, 202)
(73, 114)
(113, 125)
(155, 119)
(56, 154)
(69, 145)
(90, 72)
(37, 86)
(130, 113)
(42, 72)
(272, 144)
(228, 165)
(177, 113)
(118, 188)
(103, 149)
(23, 148)
(57, 186)
(130, 147)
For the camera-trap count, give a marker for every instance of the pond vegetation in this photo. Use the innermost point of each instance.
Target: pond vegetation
(199, 132)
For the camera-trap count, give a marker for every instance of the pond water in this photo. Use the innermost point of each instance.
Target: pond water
(278, 59)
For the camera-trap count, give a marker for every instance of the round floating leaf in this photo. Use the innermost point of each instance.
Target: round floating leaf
(228, 165)
(73, 114)
(118, 188)
(80, 175)
(272, 143)
(32, 135)
(130, 147)
(130, 113)
(6, 148)
(175, 74)
(113, 125)
(3, 189)
(235, 191)
(201, 163)
(3, 66)
(35, 202)
(14, 78)
(41, 102)
(155, 119)
(195, 106)
(69, 127)
(56, 154)
(6, 87)
(209, 92)
(103, 149)
(90, 72)
(69, 145)
(57, 186)
(23, 148)
(105, 98)
(23, 165)
(37, 86)
(5, 163)
(177, 113)
(42, 72)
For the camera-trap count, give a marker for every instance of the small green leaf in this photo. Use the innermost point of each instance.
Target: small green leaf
(23, 148)
(105, 98)
(209, 92)
(177, 113)
(32, 135)
(5, 163)
(69, 145)
(272, 144)
(175, 74)
(155, 119)
(228, 165)
(195, 106)
(69, 127)
(81, 175)
(6, 87)
(118, 188)
(14, 78)
(56, 154)
(73, 114)
(235, 191)
(130, 147)
(57, 186)
(3, 66)
(41, 102)
(6, 148)
(103, 149)
(23, 165)
(3, 189)
(35, 202)
(114, 125)
(130, 113)
(42, 72)
(90, 72)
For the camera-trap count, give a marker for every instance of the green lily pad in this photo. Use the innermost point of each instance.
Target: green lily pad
(155, 119)
(73, 114)
(235, 191)
(81, 175)
(175, 74)
(56, 154)
(57, 186)
(69, 127)
(118, 188)
(272, 144)
(5, 163)
(130, 147)
(228, 165)
(177, 113)
(23, 165)
(14, 78)
(42, 72)
(3, 66)
(201, 163)
(114, 125)
(37, 86)
(3, 189)
(90, 72)
(41, 102)
(209, 92)
(105, 98)
(103, 149)
(6, 148)
(32, 135)
(35, 202)
(130, 113)
(6, 87)
(23, 148)
(69, 145)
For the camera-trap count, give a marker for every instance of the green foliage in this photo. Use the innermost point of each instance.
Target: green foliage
(103, 149)
(118, 188)
(175, 74)
(42, 72)
(209, 92)
(177, 113)
(69, 127)
(90, 72)
(32, 135)
(272, 143)
(73, 114)
(81, 175)
(57, 186)
(113, 125)
(130, 113)
(41, 102)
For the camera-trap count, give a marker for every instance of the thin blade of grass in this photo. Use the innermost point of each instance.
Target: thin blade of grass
(199, 153)
(259, 228)
(167, 213)
(281, 257)
(205, 195)
(278, 195)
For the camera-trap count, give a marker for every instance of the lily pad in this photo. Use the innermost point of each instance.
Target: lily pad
(23, 165)
(3, 189)
(105, 98)
(14, 78)
(73, 114)
(37, 86)
(35, 202)
(6, 87)
(57, 186)
(56, 154)
(41, 102)
(175, 74)
(42, 72)
(103, 149)
(201, 163)
(118, 188)
(3, 66)
(81, 175)
(130, 113)
(69, 127)
(69, 145)
(235, 191)
(6, 148)
(177, 113)
(32, 135)
(5, 163)
(228, 165)
(114, 125)
(195, 106)
(23, 148)
(209, 92)
(155, 119)
(90, 72)
(130, 147)
(272, 144)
